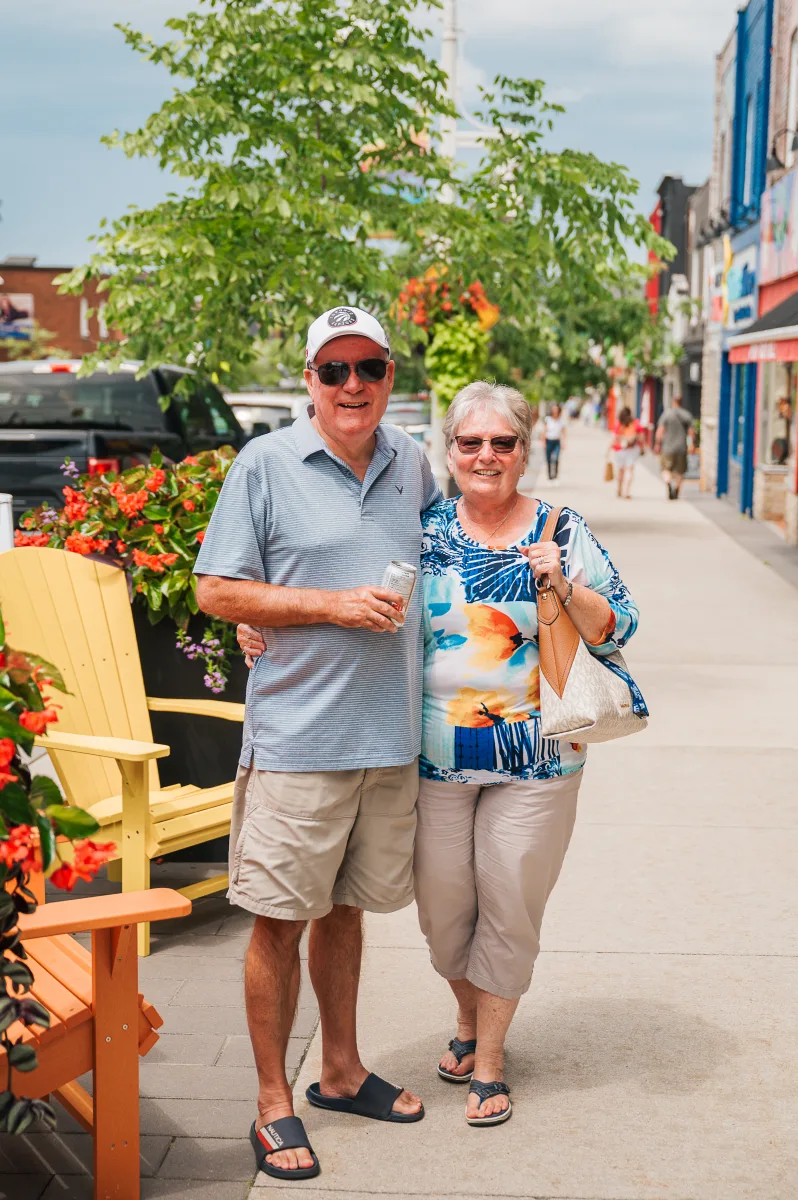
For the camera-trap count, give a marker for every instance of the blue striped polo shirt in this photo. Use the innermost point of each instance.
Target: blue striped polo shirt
(325, 698)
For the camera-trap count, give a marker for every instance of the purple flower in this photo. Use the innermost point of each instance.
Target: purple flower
(70, 469)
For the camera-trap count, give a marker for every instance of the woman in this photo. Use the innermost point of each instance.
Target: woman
(553, 438)
(497, 802)
(627, 446)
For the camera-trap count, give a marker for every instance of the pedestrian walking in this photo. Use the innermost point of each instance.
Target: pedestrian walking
(324, 811)
(626, 446)
(674, 434)
(553, 439)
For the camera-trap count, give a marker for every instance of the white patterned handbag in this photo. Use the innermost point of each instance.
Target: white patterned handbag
(583, 697)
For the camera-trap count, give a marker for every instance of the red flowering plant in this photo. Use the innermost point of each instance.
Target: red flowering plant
(38, 833)
(450, 323)
(151, 520)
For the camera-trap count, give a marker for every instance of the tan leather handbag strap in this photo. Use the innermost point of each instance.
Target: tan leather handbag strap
(558, 640)
(550, 528)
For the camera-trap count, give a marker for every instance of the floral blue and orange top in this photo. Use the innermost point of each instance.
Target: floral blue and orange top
(481, 713)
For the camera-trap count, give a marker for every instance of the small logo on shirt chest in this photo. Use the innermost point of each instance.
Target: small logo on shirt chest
(399, 489)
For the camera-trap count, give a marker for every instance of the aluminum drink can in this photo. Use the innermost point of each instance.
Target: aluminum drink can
(401, 577)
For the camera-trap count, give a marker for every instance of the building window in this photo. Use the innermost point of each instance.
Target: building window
(748, 177)
(792, 103)
(84, 319)
(101, 325)
(777, 414)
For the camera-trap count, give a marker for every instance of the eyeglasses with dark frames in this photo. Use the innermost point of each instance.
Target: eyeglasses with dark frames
(334, 374)
(499, 445)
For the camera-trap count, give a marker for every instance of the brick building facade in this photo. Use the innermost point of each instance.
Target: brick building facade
(65, 317)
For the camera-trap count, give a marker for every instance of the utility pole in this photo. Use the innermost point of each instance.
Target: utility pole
(448, 134)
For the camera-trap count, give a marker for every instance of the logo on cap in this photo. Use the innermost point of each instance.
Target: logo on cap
(340, 317)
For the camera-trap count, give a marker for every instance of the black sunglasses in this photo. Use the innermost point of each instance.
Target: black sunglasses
(333, 374)
(499, 445)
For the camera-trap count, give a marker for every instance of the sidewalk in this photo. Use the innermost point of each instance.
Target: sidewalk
(655, 1055)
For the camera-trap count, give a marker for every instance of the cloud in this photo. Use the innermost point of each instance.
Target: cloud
(625, 31)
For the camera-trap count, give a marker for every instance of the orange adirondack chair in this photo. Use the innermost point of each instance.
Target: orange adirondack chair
(100, 1022)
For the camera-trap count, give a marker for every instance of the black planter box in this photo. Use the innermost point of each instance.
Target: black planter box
(205, 750)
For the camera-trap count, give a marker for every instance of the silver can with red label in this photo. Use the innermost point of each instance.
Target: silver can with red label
(401, 577)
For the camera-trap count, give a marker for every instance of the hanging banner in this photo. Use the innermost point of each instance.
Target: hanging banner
(779, 247)
(16, 316)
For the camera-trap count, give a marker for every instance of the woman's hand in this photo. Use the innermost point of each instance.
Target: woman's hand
(544, 559)
(251, 642)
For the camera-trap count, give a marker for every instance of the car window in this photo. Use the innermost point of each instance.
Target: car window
(204, 411)
(61, 400)
(224, 422)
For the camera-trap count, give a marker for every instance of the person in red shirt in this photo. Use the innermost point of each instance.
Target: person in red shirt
(627, 446)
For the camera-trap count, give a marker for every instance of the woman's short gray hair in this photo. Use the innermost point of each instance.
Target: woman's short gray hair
(495, 397)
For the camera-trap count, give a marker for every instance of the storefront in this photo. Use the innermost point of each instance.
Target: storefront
(770, 346)
(738, 378)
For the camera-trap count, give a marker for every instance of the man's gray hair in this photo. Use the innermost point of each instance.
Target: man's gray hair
(496, 398)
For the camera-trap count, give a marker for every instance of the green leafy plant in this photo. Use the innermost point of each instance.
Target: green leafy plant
(38, 832)
(456, 355)
(151, 520)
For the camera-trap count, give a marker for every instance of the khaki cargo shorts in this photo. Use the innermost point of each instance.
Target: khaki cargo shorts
(303, 841)
(675, 463)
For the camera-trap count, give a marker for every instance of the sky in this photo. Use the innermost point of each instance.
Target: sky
(636, 78)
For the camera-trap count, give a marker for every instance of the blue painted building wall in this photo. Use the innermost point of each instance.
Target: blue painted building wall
(737, 413)
(751, 110)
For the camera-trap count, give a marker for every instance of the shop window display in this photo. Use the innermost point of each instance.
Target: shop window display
(777, 413)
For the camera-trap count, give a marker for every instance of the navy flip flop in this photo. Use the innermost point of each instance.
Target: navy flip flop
(375, 1099)
(485, 1091)
(459, 1050)
(286, 1133)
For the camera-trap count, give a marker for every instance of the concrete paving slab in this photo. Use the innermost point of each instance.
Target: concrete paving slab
(190, 1189)
(237, 1052)
(707, 891)
(626, 1076)
(29, 1187)
(187, 1118)
(630, 784)
(66, 1154)
(188, 1049)
(216, 1158)
(718, 706)
(166, 1080)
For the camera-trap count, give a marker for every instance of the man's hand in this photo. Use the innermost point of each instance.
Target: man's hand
(369, 607)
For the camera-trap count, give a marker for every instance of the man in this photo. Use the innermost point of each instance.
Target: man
(324, 808)
(670, 443)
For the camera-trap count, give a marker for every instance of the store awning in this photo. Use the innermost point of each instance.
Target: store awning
(773, 338)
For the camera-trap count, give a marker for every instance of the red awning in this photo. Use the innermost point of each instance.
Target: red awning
(765, 352)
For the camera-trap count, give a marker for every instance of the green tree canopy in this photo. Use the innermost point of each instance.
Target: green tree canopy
(300, 131)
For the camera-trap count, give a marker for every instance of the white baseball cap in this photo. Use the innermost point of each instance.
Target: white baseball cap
(343, 321)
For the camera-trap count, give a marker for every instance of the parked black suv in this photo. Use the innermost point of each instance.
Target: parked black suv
(106, 421)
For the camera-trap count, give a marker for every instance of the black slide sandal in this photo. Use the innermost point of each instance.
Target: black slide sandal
(459, 1050)
(286, 1133)
(375, 1099)
(485, 1091)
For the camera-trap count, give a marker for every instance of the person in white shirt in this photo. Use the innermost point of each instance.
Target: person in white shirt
(553, 438)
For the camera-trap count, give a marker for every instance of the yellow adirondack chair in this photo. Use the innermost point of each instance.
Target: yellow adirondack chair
(75, 612)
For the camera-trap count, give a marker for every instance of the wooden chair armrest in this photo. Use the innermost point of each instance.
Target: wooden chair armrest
(226, 710)
(122, 749)
(104, 912)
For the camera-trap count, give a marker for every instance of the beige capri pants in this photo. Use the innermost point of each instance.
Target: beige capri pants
(486, 861)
